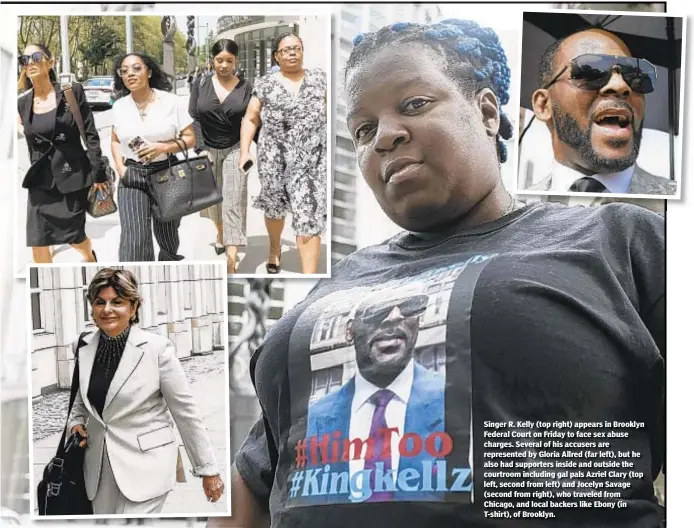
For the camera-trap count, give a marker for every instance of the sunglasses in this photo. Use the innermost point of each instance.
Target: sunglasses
(593, 72)
(137, 69)
(37, 56)
(409, 307)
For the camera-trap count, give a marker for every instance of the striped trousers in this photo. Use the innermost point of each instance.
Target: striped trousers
(137, 221)
(231, 213)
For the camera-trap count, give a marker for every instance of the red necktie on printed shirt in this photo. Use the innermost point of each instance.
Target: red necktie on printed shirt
(380, 400)
(587, 185)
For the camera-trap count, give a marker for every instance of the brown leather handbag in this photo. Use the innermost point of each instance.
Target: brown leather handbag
(99, 203)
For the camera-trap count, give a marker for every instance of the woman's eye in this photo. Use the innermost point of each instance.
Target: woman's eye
(415, 104)
(361, 132)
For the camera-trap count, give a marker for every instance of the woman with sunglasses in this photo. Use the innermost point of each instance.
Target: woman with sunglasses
(150, 124)
(217, 105)
(292, 150)
(61, 173)
(545, 314)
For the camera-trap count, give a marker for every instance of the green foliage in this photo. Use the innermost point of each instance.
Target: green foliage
(95, 41)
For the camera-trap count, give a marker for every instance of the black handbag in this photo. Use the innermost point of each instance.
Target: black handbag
(184, 187)
(62, 490)
(98, 203)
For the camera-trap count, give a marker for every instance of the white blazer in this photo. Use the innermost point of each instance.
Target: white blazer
(148, 388)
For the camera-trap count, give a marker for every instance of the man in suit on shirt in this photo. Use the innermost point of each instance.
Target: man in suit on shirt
(596, 133)
(389, 391)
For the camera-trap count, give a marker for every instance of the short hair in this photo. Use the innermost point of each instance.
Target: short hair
(473, 56)
(545, 67)
(122, 281)
(25, 82)
(276, 43)
(224, 44)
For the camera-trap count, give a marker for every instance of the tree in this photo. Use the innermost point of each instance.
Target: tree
(104, 44)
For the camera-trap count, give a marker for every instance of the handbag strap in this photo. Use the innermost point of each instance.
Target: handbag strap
(74, 108)
(73, 391)
(182, 143)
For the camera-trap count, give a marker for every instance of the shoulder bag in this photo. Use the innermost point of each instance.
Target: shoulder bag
(62, 490)
(100, 203)
(184, 187)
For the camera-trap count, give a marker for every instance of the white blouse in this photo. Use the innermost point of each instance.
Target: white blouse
(166, 117)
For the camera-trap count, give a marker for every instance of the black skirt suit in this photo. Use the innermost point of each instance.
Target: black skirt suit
(61, 172)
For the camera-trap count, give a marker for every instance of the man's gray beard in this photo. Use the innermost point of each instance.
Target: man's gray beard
(570, 133)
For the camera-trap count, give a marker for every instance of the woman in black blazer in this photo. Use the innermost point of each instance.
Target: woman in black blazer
(61, 172)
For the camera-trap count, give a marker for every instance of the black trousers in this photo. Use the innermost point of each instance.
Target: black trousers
(137, 221)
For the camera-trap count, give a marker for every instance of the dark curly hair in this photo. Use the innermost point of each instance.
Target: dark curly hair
(159, 79)
(473, 58)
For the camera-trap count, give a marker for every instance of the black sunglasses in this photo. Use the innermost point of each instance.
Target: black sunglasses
(593, 72)
(408, 308)
(37, 56)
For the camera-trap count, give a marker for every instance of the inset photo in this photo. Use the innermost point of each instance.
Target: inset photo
(148, 138)
(601, 105)
(129, 391)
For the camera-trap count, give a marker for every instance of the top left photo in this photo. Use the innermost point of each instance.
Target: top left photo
(168, 138)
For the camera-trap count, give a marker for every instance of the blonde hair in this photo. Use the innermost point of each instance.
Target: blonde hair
(122, 281)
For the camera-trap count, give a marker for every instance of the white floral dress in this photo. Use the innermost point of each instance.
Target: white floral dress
(292, 151)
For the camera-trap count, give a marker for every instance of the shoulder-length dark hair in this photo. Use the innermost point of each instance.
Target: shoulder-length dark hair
(276, 44)
(159, 79)
(24, 82)
(224, 44)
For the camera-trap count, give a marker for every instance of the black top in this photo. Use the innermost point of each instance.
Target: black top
(219, 125)
(44, 124)
(108, 354)
(550, 313)
(65, 163)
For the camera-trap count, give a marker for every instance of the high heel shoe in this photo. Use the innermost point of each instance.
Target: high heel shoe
(274, 269)
(94, 255)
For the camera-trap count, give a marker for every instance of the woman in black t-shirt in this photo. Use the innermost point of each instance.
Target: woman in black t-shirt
(217, 105)
(386, 391)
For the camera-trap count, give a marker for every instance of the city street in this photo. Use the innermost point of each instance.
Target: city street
(210, 392)
(197, 234)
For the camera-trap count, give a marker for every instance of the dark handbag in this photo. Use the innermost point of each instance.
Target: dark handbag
(99, 203)
(184, 187)
(62, 490)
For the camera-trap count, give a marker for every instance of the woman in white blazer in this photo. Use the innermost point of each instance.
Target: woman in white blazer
(131, 384)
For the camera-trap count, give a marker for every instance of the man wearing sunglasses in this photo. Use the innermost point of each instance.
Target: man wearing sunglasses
(592, 97)
(390, 390)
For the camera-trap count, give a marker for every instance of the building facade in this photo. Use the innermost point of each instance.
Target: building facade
(255, 36)
(184, 303)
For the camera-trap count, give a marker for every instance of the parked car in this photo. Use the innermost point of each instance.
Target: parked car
(99, 91)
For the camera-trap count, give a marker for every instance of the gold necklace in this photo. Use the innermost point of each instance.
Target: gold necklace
(142, 107)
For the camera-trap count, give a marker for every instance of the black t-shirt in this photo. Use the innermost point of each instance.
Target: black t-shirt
(219, 125)
(550, 313)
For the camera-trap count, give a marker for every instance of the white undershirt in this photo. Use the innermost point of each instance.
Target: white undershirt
(363, 411)
(563, 177)
(166, 117)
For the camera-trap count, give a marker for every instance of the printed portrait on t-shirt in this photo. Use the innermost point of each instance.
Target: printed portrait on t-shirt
(369, 400)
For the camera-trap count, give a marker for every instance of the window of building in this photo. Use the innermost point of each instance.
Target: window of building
(348, 162)
(432, 357)
(326, 381)
(344, 213)
(37, 319)
(345, 144)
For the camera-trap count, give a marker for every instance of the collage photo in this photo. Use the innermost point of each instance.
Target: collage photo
(306, 265)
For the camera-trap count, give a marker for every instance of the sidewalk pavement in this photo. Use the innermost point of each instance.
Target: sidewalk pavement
(187, 498)
(197, 234)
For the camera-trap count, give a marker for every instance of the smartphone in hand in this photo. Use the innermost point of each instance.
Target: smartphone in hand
(247, 166)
